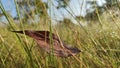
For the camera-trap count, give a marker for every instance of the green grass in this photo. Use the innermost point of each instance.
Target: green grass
(100, 48)
(99, 43)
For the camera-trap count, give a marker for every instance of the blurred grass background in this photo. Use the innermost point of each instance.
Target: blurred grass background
(99, 42)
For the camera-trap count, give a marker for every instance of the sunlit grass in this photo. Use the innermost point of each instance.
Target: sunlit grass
(99, 43)
(99, 49)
